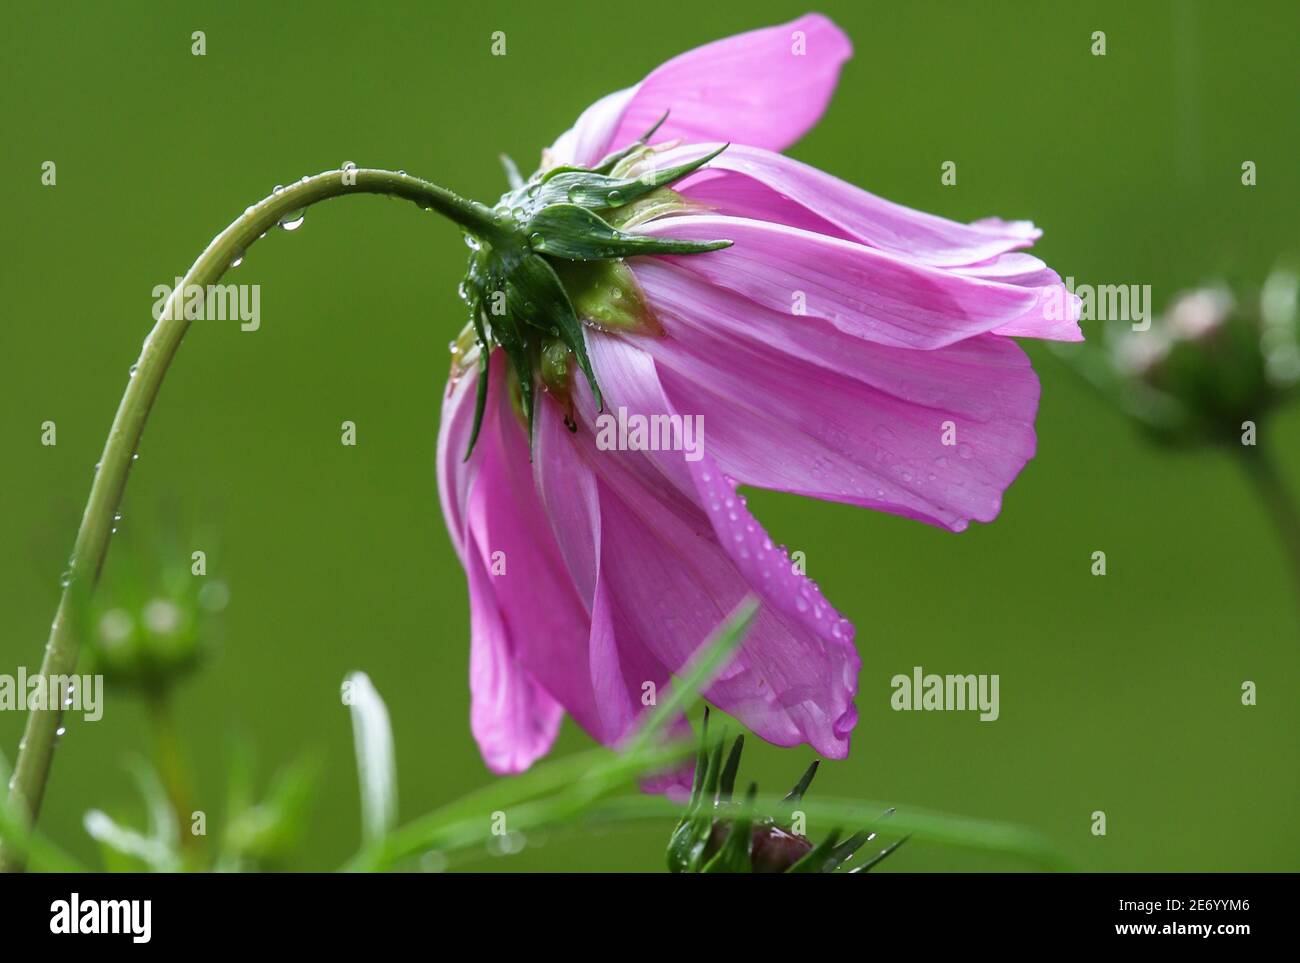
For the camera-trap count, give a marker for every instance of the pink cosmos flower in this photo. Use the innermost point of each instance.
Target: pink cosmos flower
(843, 347)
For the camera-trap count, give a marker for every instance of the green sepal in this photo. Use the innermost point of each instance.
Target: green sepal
(727, 783)
(713, 773)
(658, 203)
(690, 838)
(532, 248)
(701, 762)
(874, 860)
(605, 294)
(475, 300)
(631, 160)
(817, 858)
(480, 398)
(688, 843)
(801, 787)
(490, 273)
(554, 365)
(841, 853)
(575, 233)
(735, 854)
(535, 295)
(606, 164)
(515, 343)
(592, 190)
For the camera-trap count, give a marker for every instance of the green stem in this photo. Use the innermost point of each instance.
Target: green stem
(1262, 470)
(169, 757)
(32, 767)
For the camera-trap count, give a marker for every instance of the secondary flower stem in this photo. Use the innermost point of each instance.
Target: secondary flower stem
(1262, 469)
(36, 750)
(169, 758)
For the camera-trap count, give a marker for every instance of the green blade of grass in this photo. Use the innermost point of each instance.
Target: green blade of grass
(577, 781)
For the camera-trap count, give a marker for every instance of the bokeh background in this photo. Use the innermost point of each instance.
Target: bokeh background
(1119, 693)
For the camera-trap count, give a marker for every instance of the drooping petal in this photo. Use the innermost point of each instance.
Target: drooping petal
(746, 181)
(601, 672)
(584, 143)
(1061, 308)
(767, 87)
(518, 586)
(790, 403)
(669, 570)
(514, 720)
(454, 474)
(861, 290)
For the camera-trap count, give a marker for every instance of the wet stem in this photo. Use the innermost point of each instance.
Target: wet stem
(36, 750)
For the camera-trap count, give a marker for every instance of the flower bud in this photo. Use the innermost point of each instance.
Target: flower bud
(1212, 362)
(718, 835)
(149, 635)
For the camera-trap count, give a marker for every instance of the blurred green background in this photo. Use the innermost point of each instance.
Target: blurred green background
(1119, 693)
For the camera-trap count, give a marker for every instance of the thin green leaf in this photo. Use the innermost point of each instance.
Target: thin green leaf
(567, 795)
(578, 781)
(266, 831)
(710, 659)
(162, 816)
(945, 828)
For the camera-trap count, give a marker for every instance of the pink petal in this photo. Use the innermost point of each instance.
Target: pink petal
(792, 404)
(1056, 318)
(599, 672)
(513, 719)
(453, 473)
(583, 144)
(670, 570)
(753, 88)
(861, 290)
(491, 508)
(745, 181)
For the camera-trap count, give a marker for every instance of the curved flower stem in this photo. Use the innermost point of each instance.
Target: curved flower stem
(32, 767)
(1262, 470)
